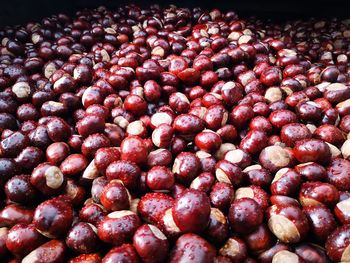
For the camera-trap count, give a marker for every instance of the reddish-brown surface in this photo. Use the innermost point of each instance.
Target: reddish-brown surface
(174, 135)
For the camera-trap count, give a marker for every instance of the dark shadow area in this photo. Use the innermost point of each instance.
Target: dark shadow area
(21, 11)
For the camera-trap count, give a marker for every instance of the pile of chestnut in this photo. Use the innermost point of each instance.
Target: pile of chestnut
(174, 135)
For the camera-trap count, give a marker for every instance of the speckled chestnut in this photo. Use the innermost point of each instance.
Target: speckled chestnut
(13, 214)
(123, 253)
(337, 173)
(53, 251)
(228, 173)
(322, 221)
(316, 193)
(192, 248)
(53, 217)
(151, 244)
(221, 195)
(245, 215)
(286, 182)
(235, 249)
(275, 157)
(19, 190)
(186, 167)
(48, 179)
(293, 132)
(126, 171)
(191, 211)
(153, 205)
(82, 238)
(115, 196)
(312, 150)
(22, 239)
(288, 223)
(133, 149)
(118, 227)
(337, 245)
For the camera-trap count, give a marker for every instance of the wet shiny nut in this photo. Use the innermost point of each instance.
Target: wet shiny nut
(115, 196)
(48, 179)
(82, 238)
(50, 252)
(22, 239)
(191, 211)
(322, 221)
(151, 244)
(245, 215)
(288, 223)
(192, 246)
(337, 244)
(53, 217)
(118, 227)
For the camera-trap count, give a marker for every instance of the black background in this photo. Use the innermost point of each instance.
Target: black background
(14, 12)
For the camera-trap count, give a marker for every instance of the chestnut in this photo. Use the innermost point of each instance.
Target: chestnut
(53, 251)
(192, 248)
(235, 249)
(322, 221)
(312, 150)
(191, 211)
(160, 178)
(22, 239)
(92, 213)
(245, 215)
(259, 240)
(275, 157)
(126, 171)
(13, 214)
(3, 236)
(153, 205)
(337, 172)
(48, 179)
(115, 196)
(337, 244)
(286, 182)
(186, 167)
(316, 193)
(221, 195)
(86, 258)
(123, 253)
(341, 211)
(228, 173)
(19, 190)
(133, 149)
(118, 227)
(82, 238)
(218, 228)
(288, 223)
(53, 217)
(151, 244)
